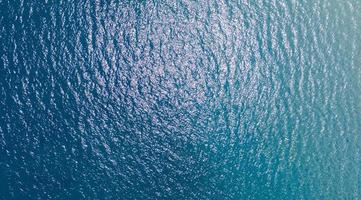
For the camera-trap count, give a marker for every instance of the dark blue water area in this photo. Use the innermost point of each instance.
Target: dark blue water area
(180, 99)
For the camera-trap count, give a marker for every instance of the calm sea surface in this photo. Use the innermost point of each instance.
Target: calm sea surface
(180, 99)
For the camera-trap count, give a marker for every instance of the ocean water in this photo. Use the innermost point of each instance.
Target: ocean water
(180, 99)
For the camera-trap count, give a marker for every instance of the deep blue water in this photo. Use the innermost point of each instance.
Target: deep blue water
(180, 99)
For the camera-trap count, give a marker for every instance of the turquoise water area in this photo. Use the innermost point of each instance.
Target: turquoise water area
(180, 99)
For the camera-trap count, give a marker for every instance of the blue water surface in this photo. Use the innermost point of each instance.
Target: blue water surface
(180, 99)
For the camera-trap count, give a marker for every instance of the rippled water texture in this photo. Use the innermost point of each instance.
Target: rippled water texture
(180, 99)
